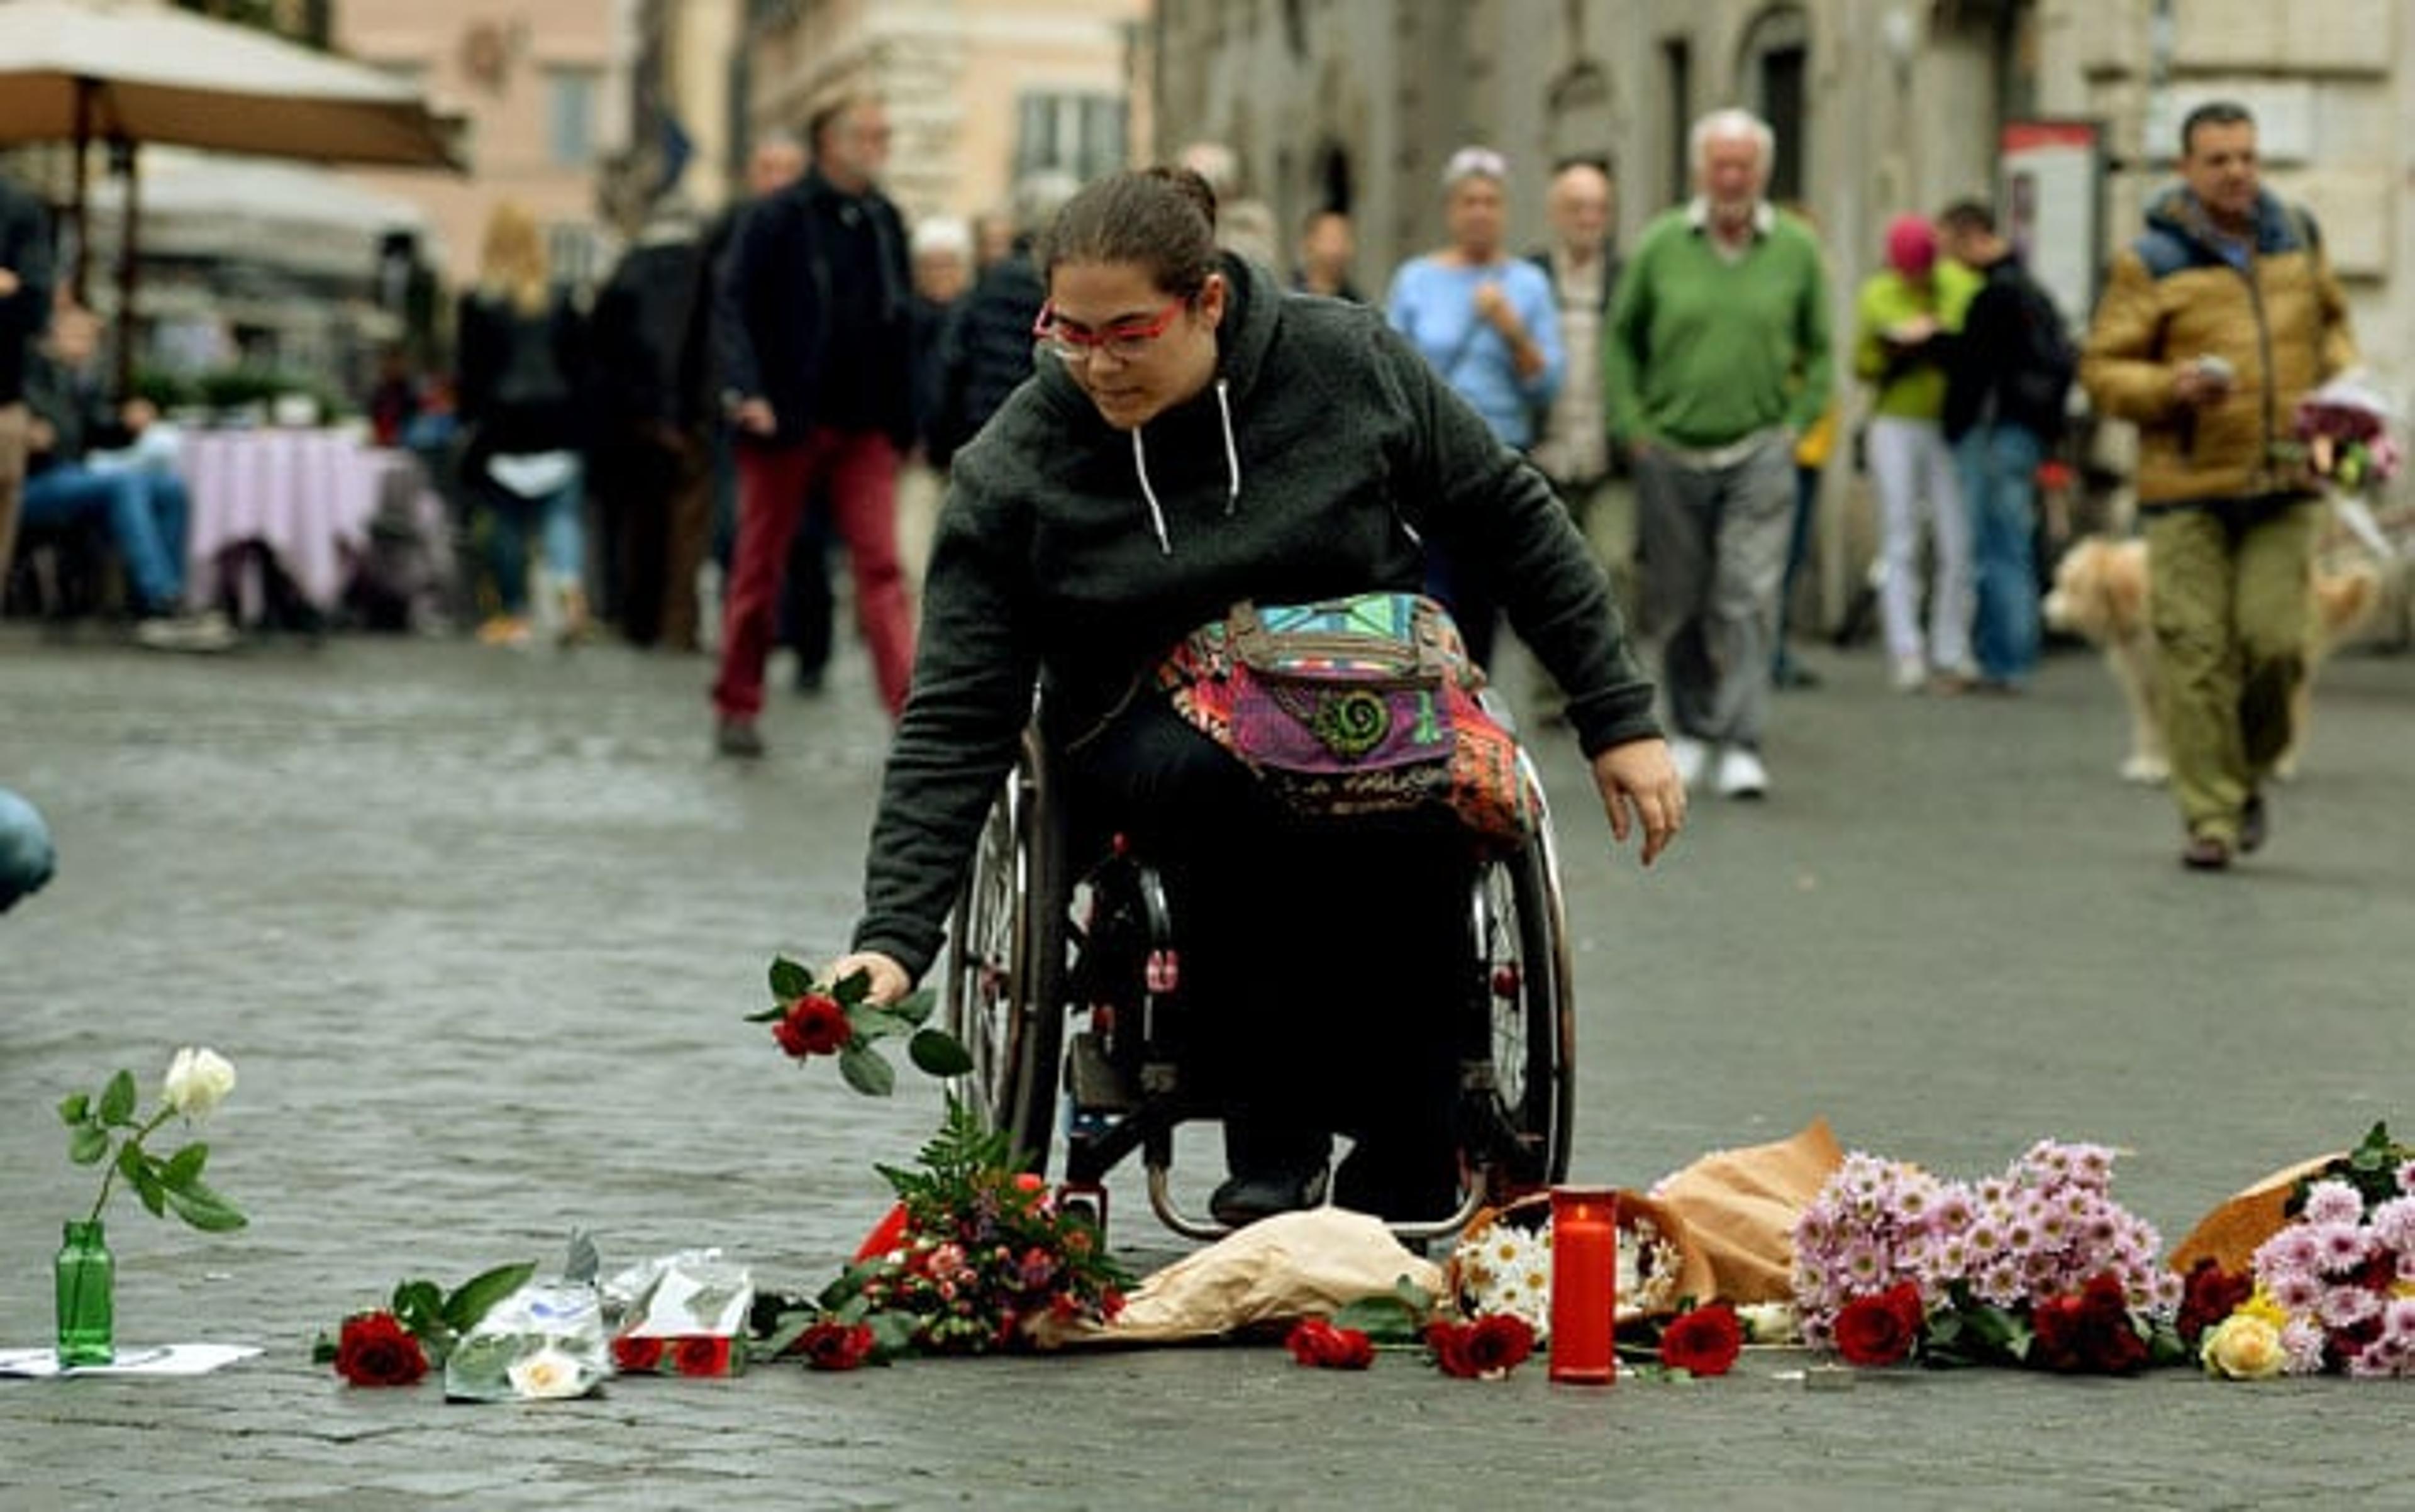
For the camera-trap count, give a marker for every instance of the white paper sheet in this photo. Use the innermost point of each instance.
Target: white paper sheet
(157, 1359)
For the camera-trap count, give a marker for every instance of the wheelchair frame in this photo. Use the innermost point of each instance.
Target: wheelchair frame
(1034, 945)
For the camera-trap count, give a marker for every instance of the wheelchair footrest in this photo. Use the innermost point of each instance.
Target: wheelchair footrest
(1097, 1083)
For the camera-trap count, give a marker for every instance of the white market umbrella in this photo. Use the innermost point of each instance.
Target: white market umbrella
(135, 71)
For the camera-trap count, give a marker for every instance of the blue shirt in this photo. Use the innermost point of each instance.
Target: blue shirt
(1432, 303)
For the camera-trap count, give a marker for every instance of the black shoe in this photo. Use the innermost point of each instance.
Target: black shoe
(1245, 1199)
(738, 737)
(1423, 1190)
(2254, 824)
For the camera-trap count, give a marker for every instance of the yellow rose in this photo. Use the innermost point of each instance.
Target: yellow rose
(2243, 1347)
(2261, 1305)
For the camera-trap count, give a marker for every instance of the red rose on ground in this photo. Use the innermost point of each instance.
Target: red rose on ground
(835, 1346)
(637, 1355)
(1448, 1341)
(1704, 1341)
(1881, 1329)
(2088, 1331)
(1316, 1342)
(814, 1025)
(2212, 1294)
(702, 1355)
(375, 1350)
(1491, 1346)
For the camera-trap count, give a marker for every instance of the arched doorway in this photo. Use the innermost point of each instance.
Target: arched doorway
(1773, 70)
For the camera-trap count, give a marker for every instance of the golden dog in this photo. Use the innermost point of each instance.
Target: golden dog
(2100, 594)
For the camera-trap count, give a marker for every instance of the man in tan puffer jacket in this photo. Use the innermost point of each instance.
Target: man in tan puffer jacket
(2215, 323)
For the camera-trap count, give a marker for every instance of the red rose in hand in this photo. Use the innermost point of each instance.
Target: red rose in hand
(637, 1355)
(836, 1346)
(377, 1351)
(2212, 1294)
(702, 1355)
(1881, 1329)
(1704, 1341)
(1314, 1341)
(814, 1025)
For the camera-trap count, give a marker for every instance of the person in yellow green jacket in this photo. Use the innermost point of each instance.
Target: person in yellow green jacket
(2214, 324)
(1905, 318)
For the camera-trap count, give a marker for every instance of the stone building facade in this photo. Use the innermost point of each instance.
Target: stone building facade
(978, 91)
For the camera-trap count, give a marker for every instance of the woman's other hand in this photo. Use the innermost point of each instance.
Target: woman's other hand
(1639, 787)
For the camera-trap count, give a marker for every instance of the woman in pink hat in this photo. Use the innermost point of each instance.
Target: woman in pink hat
(1904, 314)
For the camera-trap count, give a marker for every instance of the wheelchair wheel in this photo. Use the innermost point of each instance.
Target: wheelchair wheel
(1005, 987)
(1522, 950)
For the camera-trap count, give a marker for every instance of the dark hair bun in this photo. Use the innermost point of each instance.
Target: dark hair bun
(1194, 188)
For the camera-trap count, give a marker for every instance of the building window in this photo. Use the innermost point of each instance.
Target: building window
(1079, 134)
(1677, 70)
(570, 116)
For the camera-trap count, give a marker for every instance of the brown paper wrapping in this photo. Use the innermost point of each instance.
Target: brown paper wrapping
(1292, 1265)
(1739, 1208)
(2229, 1235)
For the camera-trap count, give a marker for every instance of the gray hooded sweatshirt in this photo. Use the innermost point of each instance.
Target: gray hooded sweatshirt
(1072, 556)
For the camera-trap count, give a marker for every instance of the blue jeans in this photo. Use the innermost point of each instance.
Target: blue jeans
(25, 854)
(1999, 474)
(147, 515)
(559, 519)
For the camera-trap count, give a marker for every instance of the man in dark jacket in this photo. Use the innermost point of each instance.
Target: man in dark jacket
(651, 485)
(986, 349)
(2007, 376)
(811, 326)
(24, 310)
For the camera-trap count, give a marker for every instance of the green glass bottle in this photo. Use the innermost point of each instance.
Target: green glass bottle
(87, 1281)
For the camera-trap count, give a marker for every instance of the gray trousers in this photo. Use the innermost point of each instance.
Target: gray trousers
(1714, 538)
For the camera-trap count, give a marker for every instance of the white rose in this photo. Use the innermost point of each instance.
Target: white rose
(2243, 1347)
(198, 1081)
(547, 1372)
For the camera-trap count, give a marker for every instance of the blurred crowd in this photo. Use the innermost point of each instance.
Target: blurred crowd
(688, 456)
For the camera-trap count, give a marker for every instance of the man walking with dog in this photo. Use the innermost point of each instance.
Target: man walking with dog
(2214, 324)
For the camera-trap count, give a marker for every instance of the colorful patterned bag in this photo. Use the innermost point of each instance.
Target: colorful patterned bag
(1359, 705)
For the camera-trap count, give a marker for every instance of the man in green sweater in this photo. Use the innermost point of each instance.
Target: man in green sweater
(1717, 357)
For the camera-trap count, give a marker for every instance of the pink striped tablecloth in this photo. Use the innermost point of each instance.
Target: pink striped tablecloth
(307, 494)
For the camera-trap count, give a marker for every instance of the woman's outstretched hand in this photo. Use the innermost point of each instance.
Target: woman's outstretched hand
(889, 982)
(1639, 787)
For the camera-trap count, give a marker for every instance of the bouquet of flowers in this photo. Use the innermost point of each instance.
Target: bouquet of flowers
(2344, 428)
(2039, 1266)
(1502, 1263)
(2334, 1288)
(975, 1250)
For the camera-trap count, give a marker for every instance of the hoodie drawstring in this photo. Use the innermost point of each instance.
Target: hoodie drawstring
(1232, 470)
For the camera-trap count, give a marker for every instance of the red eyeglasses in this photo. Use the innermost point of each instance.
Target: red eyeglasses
(1126, 340)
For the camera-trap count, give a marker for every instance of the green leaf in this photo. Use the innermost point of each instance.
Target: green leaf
(770, 1015)
(853, 988)
(466, 1306)
(419, 1307)
(869, 1024)
(791, 1327)
(916, 1007)
(322, 1350)
(866, 1072)
(939, 1053)
(117, 1100)
(73, 1110)
(88, 1145)
(849, 1285)
(205, 1209)
(892, 1333)
(149, 1187)
(1385, 1319)
(185, 1166)
(790, 980)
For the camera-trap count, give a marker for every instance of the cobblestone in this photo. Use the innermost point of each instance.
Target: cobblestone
(477, 929)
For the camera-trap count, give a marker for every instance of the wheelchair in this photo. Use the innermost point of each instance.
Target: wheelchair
(1064, 982)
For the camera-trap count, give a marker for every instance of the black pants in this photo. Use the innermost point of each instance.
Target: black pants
(1328, 964)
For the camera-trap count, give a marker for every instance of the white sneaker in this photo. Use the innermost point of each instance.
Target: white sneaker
(1741, 774)
(1911, 675)
(207, 631)
(1692, 757)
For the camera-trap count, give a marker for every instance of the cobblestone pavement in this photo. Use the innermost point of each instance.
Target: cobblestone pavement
(477, 929)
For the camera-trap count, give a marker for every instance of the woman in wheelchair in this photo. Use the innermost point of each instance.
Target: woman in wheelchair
(1195, 437)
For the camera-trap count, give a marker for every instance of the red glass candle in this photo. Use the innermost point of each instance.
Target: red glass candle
(1585, 1284)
